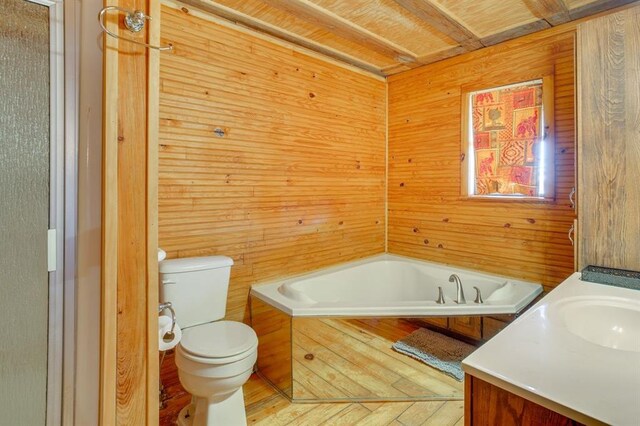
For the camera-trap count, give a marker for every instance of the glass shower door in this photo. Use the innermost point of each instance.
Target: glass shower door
(25, 212)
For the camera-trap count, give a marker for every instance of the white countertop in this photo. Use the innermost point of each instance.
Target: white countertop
(537, 358)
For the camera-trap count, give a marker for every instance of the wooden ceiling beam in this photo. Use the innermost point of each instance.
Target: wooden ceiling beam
(515, 32)
(259, 26)
(394, 69)
(316, 15)
(443, 54)
(427, 59)
(597, 7)
(555, 12)
(441, 21)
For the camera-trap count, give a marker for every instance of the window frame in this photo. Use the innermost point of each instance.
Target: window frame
(467, 163)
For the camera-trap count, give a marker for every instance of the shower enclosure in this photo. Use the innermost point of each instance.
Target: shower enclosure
(32, 216)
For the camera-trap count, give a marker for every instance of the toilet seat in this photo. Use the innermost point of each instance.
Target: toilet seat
(219, 342)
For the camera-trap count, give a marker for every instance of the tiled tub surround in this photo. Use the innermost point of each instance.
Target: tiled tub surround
(578, 364)
(335, 345)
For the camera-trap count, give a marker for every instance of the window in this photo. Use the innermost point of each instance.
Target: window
(508, 138)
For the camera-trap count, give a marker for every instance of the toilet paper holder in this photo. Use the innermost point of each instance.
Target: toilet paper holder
(168, 306)
(168, 336)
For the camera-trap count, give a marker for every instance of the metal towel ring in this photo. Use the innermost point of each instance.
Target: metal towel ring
(134, 21)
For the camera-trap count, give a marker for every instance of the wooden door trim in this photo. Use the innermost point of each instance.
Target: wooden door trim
(109, 267)
(153, 130)
(128, 379)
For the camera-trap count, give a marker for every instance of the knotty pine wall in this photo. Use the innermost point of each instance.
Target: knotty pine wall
(428, 218)
(296, 183)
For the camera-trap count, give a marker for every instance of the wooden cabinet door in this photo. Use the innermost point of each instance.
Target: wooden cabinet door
(442, 322)
(467, 326)
(491, 327)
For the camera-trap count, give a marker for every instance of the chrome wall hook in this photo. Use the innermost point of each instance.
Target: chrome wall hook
(134, 22)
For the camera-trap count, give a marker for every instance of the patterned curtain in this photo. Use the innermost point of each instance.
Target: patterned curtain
(507, 135)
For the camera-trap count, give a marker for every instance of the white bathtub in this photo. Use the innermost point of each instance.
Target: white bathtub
(394, 286)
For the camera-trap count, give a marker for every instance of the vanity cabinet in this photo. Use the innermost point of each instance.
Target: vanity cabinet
(490, 405)
(609, 141)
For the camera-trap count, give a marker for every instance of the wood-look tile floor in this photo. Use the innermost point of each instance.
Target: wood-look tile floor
(353, 359)
(265, 406)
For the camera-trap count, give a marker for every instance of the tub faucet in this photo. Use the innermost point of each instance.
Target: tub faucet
(478, 296)
(459, 291)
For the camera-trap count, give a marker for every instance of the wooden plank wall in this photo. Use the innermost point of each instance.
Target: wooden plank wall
(609, 152)
(297, 181)
(428, 218)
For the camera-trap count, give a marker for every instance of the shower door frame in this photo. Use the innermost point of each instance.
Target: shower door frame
(62, 221)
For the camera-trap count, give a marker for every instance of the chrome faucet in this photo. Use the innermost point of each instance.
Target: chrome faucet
(459, 291)
(478, 296)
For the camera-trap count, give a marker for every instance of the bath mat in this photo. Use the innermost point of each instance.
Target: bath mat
(437, 350)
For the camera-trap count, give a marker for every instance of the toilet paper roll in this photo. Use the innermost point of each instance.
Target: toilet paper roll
(164, 326)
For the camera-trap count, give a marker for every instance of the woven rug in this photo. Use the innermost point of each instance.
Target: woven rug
(435, 349)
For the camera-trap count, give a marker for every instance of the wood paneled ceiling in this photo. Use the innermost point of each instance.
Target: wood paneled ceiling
(391, 36)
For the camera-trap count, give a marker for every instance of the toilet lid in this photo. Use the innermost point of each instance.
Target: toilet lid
(218, 339)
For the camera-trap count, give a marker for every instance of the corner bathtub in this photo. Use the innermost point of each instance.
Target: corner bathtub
(394, 286)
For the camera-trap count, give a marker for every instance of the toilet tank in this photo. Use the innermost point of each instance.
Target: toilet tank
(196, 287)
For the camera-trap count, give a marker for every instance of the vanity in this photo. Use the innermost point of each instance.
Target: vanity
(574, 358)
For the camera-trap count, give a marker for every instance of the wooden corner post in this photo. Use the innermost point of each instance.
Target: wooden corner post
(129, 345)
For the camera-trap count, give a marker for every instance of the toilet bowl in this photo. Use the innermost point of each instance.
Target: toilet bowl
(215, 358)
(214, 361)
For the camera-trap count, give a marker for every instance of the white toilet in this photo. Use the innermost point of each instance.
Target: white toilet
(214, 358)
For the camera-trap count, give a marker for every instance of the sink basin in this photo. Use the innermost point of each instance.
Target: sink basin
(612, 322)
